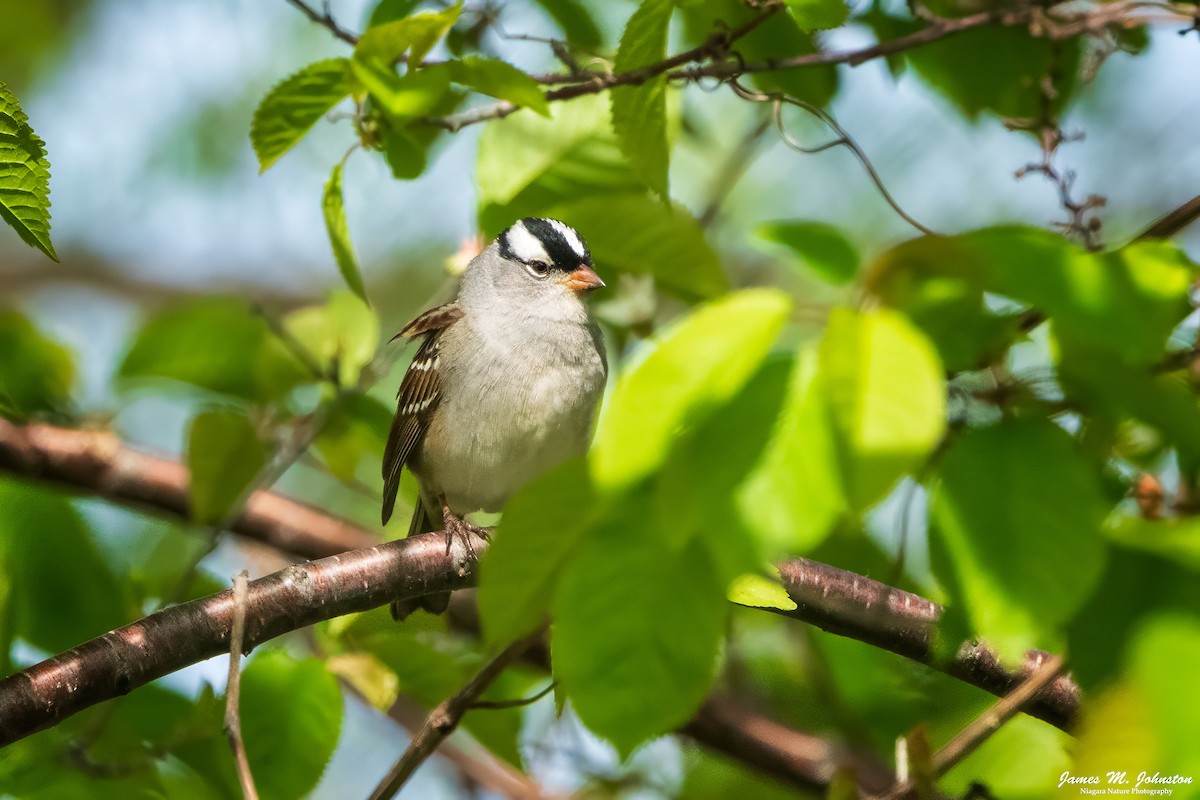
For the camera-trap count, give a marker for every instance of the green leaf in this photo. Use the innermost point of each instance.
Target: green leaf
(820, 247)
(575, 20)
(402, 97)
(794, 496)
(630, 674)
(339, 233)
(818, 15)
(36, 374)
(415, 35)
(667, 242)
(1016, 537)
(758, 592)
(377, 684)
(24, 176)
(697, 485)
(639, 113)
(499, 79)
(221, 345)
(1006, 84)
(341, 335)
(1156, 662)
(777, 37)
(390, 10)
(289, 708)
(405, 156)
(516, 150)
(734, 333)
(293, 106)
(887, 399)
(61, 591)
(541, 528)
(356, 428)
(224, 455)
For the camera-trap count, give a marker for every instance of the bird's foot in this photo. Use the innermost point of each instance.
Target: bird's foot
(456, 527)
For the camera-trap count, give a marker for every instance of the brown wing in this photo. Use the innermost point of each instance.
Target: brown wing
(418, 397)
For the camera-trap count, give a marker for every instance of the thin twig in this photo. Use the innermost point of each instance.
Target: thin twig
(325, 19)
(517, 703)
(740, 158)
(233, 724)
(844, 139)
(982, 727)
(445, 718)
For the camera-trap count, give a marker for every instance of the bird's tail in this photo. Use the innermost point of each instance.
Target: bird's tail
(422, 522)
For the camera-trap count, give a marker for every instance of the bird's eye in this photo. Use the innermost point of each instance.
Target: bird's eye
(538, 269)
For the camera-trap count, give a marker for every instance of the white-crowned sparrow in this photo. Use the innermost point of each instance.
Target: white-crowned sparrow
(504, 385)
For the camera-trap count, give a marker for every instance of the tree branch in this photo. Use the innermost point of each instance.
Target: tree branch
(838, 601)
(445, 718)
(851, 605)
(1042, 22)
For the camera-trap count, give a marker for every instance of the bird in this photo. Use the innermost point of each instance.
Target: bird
(504, 385)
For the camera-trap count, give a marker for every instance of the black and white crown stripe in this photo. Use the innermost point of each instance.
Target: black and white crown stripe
(546, 241)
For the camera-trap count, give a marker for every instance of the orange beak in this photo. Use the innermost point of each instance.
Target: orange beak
(583, 279)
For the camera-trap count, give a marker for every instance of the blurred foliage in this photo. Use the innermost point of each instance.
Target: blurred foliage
(1026, 389)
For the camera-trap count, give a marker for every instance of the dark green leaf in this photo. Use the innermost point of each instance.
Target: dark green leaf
(1008, 82)
(390, 10)
(339, 233)
(24, 176)
(36, 374)
(292, 107)
(540, 529)
(631, 674)
(224, 455)
(575, 20)
(499, 79)
(1017, 531)
(886, 395)
(818, 15)
(220, 345)
(291, 713)
(820, 247)
(61, 591)
(356, 428)
(665, 242)
(404, 154)
(735, 333)
(639, 113)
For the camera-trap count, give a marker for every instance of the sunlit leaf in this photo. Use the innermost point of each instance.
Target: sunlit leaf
(1017, 530)
(540, 529)
(886, 392)
(293, 106)
(632, 675)
(24, 176)
(793, 497)
(289, 708)
(1156, 661)
(339, 233)
(758, 592)
(36, 374)
(499, 79)
(639, 113)
(734, 334)
(341, 335)
(224, 454)
(377, 684)
(402, 97)
(413, 35)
